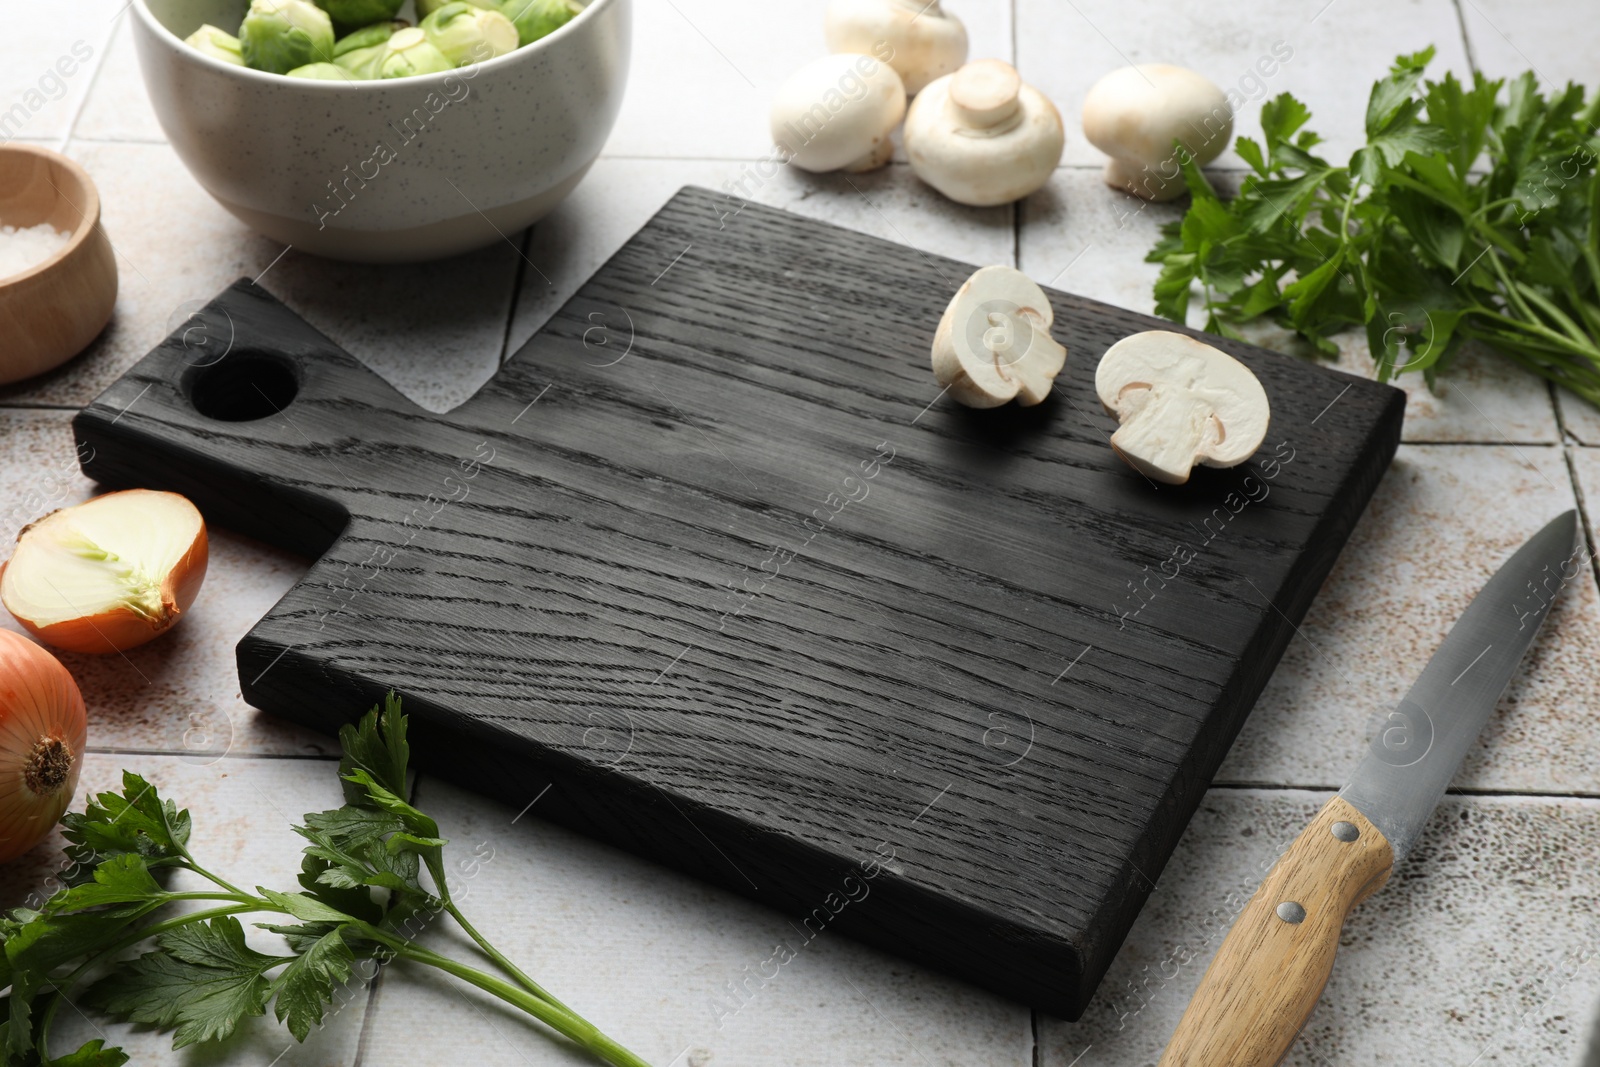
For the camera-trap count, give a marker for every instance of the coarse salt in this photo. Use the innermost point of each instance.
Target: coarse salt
(26, 247)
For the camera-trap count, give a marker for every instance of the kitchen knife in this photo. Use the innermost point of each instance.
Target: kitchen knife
(1273, 965)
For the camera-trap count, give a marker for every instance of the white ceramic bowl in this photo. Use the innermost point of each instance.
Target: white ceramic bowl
(387, 171)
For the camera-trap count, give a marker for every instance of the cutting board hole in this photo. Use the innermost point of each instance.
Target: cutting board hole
(244, 388)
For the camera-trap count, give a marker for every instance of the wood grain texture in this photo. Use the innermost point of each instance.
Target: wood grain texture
(665, 565)
(1269, 972)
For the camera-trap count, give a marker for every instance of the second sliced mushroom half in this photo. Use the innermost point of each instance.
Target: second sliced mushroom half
(1180, 402)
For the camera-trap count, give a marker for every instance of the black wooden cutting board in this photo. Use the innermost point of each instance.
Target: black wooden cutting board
(713, 570)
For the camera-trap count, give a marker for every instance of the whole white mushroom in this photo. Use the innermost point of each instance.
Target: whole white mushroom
(915, 37)
(1135, 114)
(837, 113)
(982, 137)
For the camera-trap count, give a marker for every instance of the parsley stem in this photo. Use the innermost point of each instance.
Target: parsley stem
(563, 1020)
(202, 872)
(504, 964)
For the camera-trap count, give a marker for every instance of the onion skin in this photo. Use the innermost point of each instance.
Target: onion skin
(43, 730)
(124, 628)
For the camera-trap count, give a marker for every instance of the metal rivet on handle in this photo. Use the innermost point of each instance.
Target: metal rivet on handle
(1290, 912)
(1345, 831)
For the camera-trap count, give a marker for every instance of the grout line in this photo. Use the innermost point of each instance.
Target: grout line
(94, 80)
(190, 755)
(1555, 408)
(1016, 205)
(1570, 456)
(1087, 168)
(1015, 55)
(1266, 787)
(1504, 443)
(369, 1018)
(1466, 38)
(1486, 794)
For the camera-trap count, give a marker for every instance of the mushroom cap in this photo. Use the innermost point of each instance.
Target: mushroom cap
(1135, 114)
(838, 111)
(1180, 402)
(982, 137)
(993, 344)
(923, 40)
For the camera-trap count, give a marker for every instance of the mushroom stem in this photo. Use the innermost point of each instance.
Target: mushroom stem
(1163, 437)
(986, 95)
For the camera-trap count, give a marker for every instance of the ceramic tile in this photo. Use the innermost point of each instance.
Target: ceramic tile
(1443, 520)
(1581, 418)
(242, 812)
(1480, 949)
(645, 954)
(1082, 237)
(179, 693)
(48, 58)
(1586, 464)
(434, 330)
(620, 195)
(704, 71)
(1556, 39)
(118, 108)
(1482, 397)
(1328, 53)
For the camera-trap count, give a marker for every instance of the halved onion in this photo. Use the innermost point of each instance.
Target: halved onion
(108, 574)
(42, 733)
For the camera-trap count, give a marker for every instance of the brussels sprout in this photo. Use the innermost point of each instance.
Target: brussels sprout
(363, 62)
(326, 72)
(409, 52)
(280, 35)
(537, 18)
(367, 36)
(428, 7)
(350, 15)
(467, 34)
(218, 44)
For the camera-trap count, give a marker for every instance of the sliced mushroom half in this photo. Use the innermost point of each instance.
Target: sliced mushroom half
(1180, 402)
(993, 344)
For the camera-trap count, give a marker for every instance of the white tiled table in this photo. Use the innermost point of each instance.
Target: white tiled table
(1484, 946)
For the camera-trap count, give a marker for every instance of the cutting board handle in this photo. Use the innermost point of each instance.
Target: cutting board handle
(1272, 967)
(245, 376)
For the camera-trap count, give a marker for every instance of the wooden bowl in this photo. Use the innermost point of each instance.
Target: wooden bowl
(50, 312)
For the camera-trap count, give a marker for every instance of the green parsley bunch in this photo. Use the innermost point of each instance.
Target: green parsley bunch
(1470, 213)
(362, 895)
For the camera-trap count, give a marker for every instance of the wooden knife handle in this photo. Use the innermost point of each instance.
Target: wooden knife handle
(1274, 963)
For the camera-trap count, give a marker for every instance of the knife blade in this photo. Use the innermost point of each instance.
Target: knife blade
(1272, 967)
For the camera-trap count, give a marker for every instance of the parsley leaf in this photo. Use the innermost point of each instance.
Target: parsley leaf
(123, 879)
(376, 746)
(1471, 213)
(308, 983)
(92, 1054)
(136, 820)
(203, 980)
